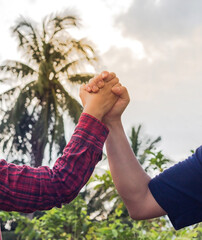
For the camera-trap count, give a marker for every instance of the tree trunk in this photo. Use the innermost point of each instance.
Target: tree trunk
(37, 154)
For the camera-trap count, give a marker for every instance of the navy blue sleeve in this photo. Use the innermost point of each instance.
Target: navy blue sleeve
(178, 190)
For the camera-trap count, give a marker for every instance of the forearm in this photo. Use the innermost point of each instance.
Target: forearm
(27, 189)
(129, 178)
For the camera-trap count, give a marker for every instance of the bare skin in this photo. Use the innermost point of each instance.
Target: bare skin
(98, 81)
(129, 177)
(98, 104)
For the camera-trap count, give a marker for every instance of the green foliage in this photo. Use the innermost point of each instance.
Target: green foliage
(157, 162)
(98, 213)
(141, 145)
(72, 222)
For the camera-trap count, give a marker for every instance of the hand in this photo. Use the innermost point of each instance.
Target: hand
(118, 108)
(98, 104)
(98, 82)
(116, 111)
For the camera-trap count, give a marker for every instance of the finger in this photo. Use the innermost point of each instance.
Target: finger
(104, 74)
(116, 89)
(113, 82)
(121, 91)
(117, 85)
(88, 88)
(95, 88)
(110, 76)
(100, 84)
(96, 79)
(96, 82)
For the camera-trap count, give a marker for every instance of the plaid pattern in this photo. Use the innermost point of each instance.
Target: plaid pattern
(27, 189)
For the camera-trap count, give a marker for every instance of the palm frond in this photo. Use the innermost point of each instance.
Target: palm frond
(28, 39)
(9, 98)
(57, 57)
(75, 66)
(80, 78)
(68, 65)
(135, 142)
(69, 103)
(54, 23)
(84, 48)
(9, 92)
(5, 79)
(59, 23)
(16, 68)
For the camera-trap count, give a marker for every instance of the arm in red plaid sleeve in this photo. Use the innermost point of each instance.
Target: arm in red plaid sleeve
(27, 189)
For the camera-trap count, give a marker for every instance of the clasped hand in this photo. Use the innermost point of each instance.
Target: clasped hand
(104, 98)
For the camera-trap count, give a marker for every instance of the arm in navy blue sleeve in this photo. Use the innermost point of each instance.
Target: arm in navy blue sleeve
(178, 190)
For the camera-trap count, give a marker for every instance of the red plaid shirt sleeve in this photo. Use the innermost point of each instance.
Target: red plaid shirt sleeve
(27, 189)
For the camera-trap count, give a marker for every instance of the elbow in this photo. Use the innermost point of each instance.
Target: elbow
(136, 211)
(137, 206)
(136, 215)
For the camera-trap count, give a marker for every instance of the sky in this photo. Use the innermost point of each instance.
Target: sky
(153, 46)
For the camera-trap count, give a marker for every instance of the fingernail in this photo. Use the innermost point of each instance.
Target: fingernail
(104, 75)
(88, 88)
(113, 75)
(100, 83)
(117, 89)
(95, 88)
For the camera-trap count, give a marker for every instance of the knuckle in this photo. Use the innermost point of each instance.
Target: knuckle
(90, 81)
(113, 74)
(115, 80)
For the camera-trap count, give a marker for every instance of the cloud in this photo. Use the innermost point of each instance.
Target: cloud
(32, 1)
(165, 94)
(156, 24)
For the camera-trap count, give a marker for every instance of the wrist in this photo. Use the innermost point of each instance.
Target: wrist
(112, 123)
(93, 112)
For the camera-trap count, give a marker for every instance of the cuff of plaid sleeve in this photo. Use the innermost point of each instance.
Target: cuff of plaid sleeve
(91, 130)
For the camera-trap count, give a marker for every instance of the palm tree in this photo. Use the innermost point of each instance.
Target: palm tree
(32, 109)
(141, 147)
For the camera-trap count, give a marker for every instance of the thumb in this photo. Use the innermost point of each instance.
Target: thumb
(121, 91)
